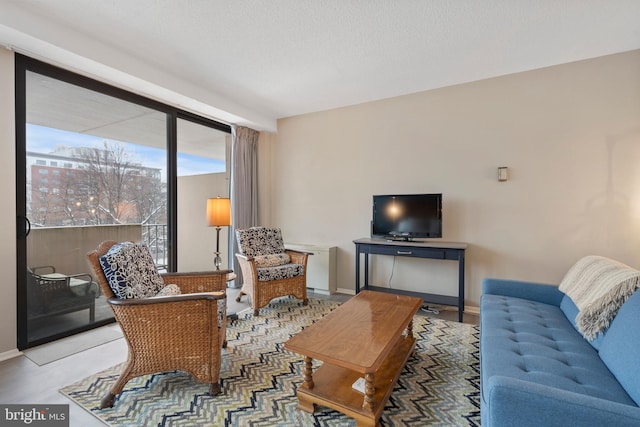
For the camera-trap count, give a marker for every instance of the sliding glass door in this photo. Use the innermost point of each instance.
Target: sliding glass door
(202, 173)
(96, 163)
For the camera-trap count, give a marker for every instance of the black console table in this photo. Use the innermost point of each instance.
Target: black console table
(432, 250)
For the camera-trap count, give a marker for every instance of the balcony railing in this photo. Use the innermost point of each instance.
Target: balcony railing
(66, 247)
(155, 237)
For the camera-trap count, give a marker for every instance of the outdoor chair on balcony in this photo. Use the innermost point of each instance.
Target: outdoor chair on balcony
(268, 269)
(171, 321)
(51, 294)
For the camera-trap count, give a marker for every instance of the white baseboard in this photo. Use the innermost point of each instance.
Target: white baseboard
(473, 309)
(10, 354)
(346, 291)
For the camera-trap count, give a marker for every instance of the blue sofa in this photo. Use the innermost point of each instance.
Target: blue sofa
(536, 369)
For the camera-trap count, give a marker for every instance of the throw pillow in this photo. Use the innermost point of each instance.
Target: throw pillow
(272, 260)
(130, 271)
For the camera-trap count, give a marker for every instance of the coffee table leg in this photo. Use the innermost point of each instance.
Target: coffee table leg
(307, 372)
(369, 392)
(410, 329)
(304, 403)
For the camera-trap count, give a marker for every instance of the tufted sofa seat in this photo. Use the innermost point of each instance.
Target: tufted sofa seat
(538, 370)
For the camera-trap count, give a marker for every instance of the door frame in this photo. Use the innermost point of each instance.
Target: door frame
(23, 64)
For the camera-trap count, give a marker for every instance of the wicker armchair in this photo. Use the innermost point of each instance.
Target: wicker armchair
(183, 332)
(50, 293)
(268, 269)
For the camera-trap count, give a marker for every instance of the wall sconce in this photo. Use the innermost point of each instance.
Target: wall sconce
(503, 173)
(218, 216)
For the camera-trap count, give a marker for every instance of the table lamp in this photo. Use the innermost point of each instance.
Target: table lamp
(218, 216)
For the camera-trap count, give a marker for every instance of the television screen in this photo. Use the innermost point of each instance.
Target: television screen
(407, 216)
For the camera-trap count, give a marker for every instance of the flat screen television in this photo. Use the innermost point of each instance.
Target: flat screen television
(407, 216)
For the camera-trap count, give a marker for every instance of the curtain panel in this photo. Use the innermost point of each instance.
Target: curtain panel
(244, 186)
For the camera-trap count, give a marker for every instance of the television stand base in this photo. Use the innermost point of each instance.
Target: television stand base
(432, 250)
(400, 239)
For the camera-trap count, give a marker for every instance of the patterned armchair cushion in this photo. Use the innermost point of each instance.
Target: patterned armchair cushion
(130, 271)
(256, 241)
(272, 260)
(280, 272)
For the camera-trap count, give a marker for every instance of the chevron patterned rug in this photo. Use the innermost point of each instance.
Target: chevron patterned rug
(439, 386)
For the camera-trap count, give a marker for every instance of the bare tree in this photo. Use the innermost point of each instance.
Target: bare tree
(104, 187)
(109, 170)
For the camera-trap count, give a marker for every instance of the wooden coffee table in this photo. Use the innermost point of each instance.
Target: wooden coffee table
(364, 337)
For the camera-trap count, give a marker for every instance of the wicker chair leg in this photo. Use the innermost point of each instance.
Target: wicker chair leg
(240, 295)
(107, 400)
(305, 301)
(215, 389)
(256, 311)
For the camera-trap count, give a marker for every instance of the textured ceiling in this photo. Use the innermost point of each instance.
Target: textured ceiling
(254, 61)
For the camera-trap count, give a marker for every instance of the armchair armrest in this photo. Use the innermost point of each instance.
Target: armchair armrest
(147, 317)
(89, 287)
(87, 276)
(192, 274)
(515, 402)
(298, 252)
(244, 257)
(167, 299)
(204, 281)
(298, 257)
(51, 269)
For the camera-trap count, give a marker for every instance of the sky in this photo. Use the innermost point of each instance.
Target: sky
(42, 139)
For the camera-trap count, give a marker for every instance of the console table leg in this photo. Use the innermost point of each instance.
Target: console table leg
(369, 392)
(307, 373)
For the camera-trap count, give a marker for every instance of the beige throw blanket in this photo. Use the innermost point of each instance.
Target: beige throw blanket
(598, 286)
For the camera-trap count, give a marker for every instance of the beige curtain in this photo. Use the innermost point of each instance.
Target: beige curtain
(244, 186)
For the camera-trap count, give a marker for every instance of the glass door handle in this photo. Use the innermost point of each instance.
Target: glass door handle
(24, 227)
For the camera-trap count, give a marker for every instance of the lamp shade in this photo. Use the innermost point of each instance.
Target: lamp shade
(218, 212)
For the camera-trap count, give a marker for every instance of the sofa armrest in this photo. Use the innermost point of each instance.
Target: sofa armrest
(512, 402)
(540, 292)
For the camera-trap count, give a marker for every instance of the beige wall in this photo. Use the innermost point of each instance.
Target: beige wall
(8, 314)
(196, 240)
(569, 134)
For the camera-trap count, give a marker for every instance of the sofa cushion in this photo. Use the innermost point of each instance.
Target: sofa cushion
(130, 271)
(272, 260)
(534, 342)
(621, 346)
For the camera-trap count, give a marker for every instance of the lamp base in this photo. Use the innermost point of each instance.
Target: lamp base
(217, 261)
